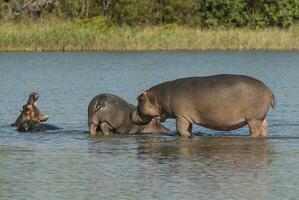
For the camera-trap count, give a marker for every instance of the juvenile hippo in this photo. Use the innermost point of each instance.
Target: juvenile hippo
(35, 126)
(108, 114)
(220, 102)
(31, 111)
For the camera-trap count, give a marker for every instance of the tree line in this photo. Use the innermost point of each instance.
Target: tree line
(200, 13)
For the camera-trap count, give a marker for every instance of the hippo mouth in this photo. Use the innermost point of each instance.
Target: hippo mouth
(33, 97)
(93, 129)
(138, 119)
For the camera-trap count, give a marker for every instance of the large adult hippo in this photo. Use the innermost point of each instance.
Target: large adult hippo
(109, 114)
(31, 111)
(221, 102)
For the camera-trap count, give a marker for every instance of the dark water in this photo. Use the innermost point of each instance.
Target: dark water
(68, 164)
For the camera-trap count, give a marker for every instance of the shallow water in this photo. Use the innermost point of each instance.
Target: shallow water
(69, 164)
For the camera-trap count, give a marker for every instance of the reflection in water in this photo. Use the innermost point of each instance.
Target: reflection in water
(68, 164)
(184, 166)
(210, 163)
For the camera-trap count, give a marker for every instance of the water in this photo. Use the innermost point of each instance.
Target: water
(69, 164)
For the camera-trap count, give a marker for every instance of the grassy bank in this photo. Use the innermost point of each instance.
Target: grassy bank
(73, 36)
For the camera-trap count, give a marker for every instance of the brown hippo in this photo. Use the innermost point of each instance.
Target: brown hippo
(31, 111)
(109, 114)
(220, 102)
(35, 126)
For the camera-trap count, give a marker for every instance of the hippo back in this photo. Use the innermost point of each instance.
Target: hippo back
(111, 109)
(116, 112)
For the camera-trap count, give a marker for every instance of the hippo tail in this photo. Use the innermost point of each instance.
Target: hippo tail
(272, 101)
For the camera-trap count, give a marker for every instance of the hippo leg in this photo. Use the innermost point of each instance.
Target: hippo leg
(183, 127)
(106, 128)
(264, 128)
(255, 127)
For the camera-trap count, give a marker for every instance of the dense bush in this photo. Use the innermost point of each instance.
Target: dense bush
(272, 12)
(203, 13)
(224, 13)
(255, 13)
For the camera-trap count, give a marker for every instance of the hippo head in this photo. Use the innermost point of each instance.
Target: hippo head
(26, 114)
(31, 111)
(146, 110)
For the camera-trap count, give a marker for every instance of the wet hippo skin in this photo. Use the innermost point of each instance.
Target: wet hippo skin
(109, 114)
(220, 102)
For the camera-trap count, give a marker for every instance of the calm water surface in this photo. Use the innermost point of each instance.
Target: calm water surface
(69, 164)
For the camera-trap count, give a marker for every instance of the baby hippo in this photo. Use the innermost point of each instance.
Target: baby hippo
(31, 111)
(34, 126)
(220, 102)
(110, 114)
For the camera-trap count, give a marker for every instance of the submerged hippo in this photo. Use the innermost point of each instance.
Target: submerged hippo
(220, 102)
(31, 111)
(108, 114)
(35, 126)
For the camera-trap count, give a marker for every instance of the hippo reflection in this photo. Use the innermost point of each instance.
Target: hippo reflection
(220, 102)
(109, 114)
(238, 148)
(205, 158)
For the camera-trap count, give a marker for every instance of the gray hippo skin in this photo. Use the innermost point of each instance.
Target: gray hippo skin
(31, 111)
(220, 102)
(110, 114)
(35, 126)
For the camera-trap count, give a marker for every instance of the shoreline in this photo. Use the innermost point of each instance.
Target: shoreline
(144, 50)
(69, 36)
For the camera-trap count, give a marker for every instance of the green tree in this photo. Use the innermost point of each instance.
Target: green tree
(203, 13)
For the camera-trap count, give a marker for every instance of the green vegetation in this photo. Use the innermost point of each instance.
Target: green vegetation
(199, 13)
(148, 24)
(97, 35)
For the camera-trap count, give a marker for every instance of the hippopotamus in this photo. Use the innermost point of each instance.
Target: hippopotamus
(221, 102)
(109, 114)
(35, 126)
(31, 111)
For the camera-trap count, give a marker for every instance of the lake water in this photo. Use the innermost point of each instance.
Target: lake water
(69, 164)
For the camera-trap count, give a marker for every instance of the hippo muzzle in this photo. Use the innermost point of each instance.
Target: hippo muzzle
(33, 97)
(93, 129)
(138, 119)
